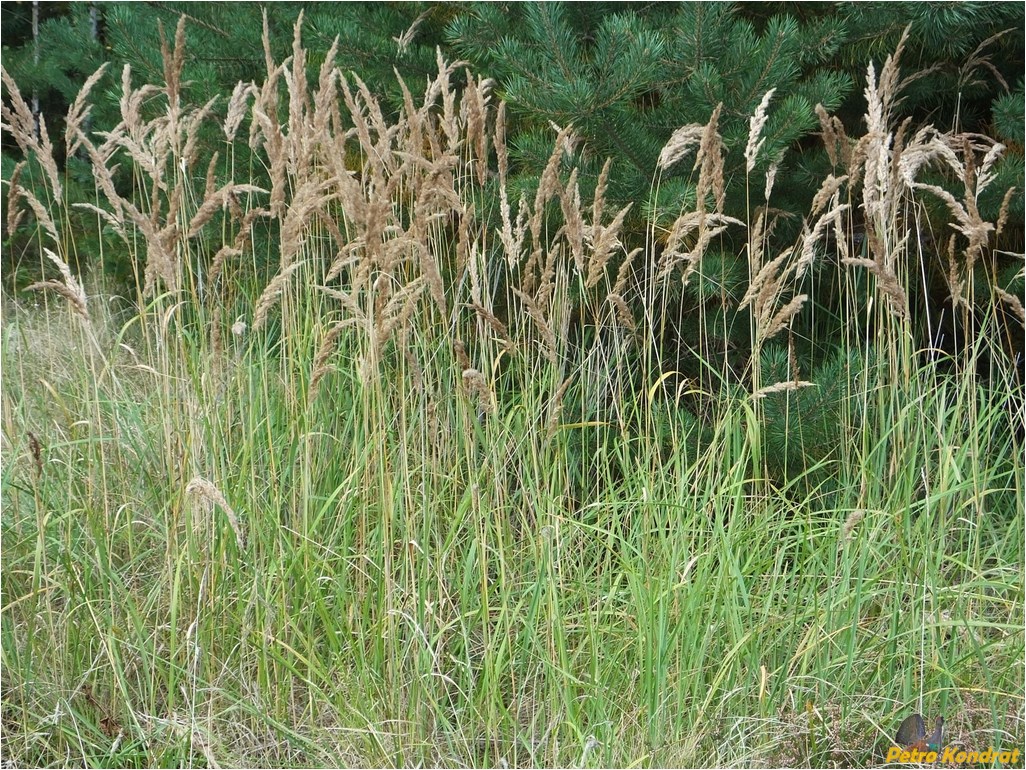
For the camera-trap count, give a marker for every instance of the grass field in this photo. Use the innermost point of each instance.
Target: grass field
(428, 495)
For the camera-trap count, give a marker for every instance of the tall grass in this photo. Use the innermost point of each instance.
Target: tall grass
(378, 469)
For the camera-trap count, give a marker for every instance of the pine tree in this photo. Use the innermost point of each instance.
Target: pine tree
(626, 80)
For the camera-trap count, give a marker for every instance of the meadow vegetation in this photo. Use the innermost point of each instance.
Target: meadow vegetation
(383, 464)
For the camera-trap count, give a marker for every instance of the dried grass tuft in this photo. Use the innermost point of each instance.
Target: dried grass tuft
(70, 289)
(1002, 219)
(835, 140)
(78, 113)
(680, 144)
(270, 295)
(20, 123)
(14, 211)
(853, 520)
(41, 213)
(755, 125)
(208, 495)
(1014, 304)
(323, 355)
(475, 385)
(782, 387)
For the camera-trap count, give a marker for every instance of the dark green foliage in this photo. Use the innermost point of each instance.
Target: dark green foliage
(1008, 115)
(225, 40)
(67, 54)
(803, 427)
(627, 80)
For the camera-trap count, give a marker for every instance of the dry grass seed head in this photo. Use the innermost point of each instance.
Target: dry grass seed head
(190, 154)
(755, 125)
(14, 211)
(299, 101)
(431, 271)
(465, 242)
(448, 121)
(604, 241)
(239, 245)
(274, 147)
(215, 200)
(782, 387)
(673, 252)
(679, 144)
(841, 236)
(827, 191)
(555, 408)
(496, 325)
(767, 286)
(952, 277)
(210, 181)
(325, 102)
(986, 174)
(48, 163)
(547, 336)
(622, 310)
(710, 156)
(461, 354)
(131, 104)
(757, 238)
(1014, 304)
(475, 385)
(624, 272)
(966, 216)
(270, 295)
(835, 140)
(103, 175)
(22, 125)
(396, 313)
(238, 106)
(208, 495)
(811, 238)
(548, 185)
(265, 40)
(381, 150)
(886, 282)
(115, 224)
(709, 226)
(474, 104)
(41, 213)
(412, 118)
(550, 273)
(312, 196)
(349, 301)
(511, 235)
(501, 151)
(70, 289)
(78, 113)
(783, 316)
(18, 119)
(898, 148)
(1002, 219)
(174, 61)
(890, 84)
(403, 41)
(771, 177)
(323, 355)
(573, 222)
(850, 523)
